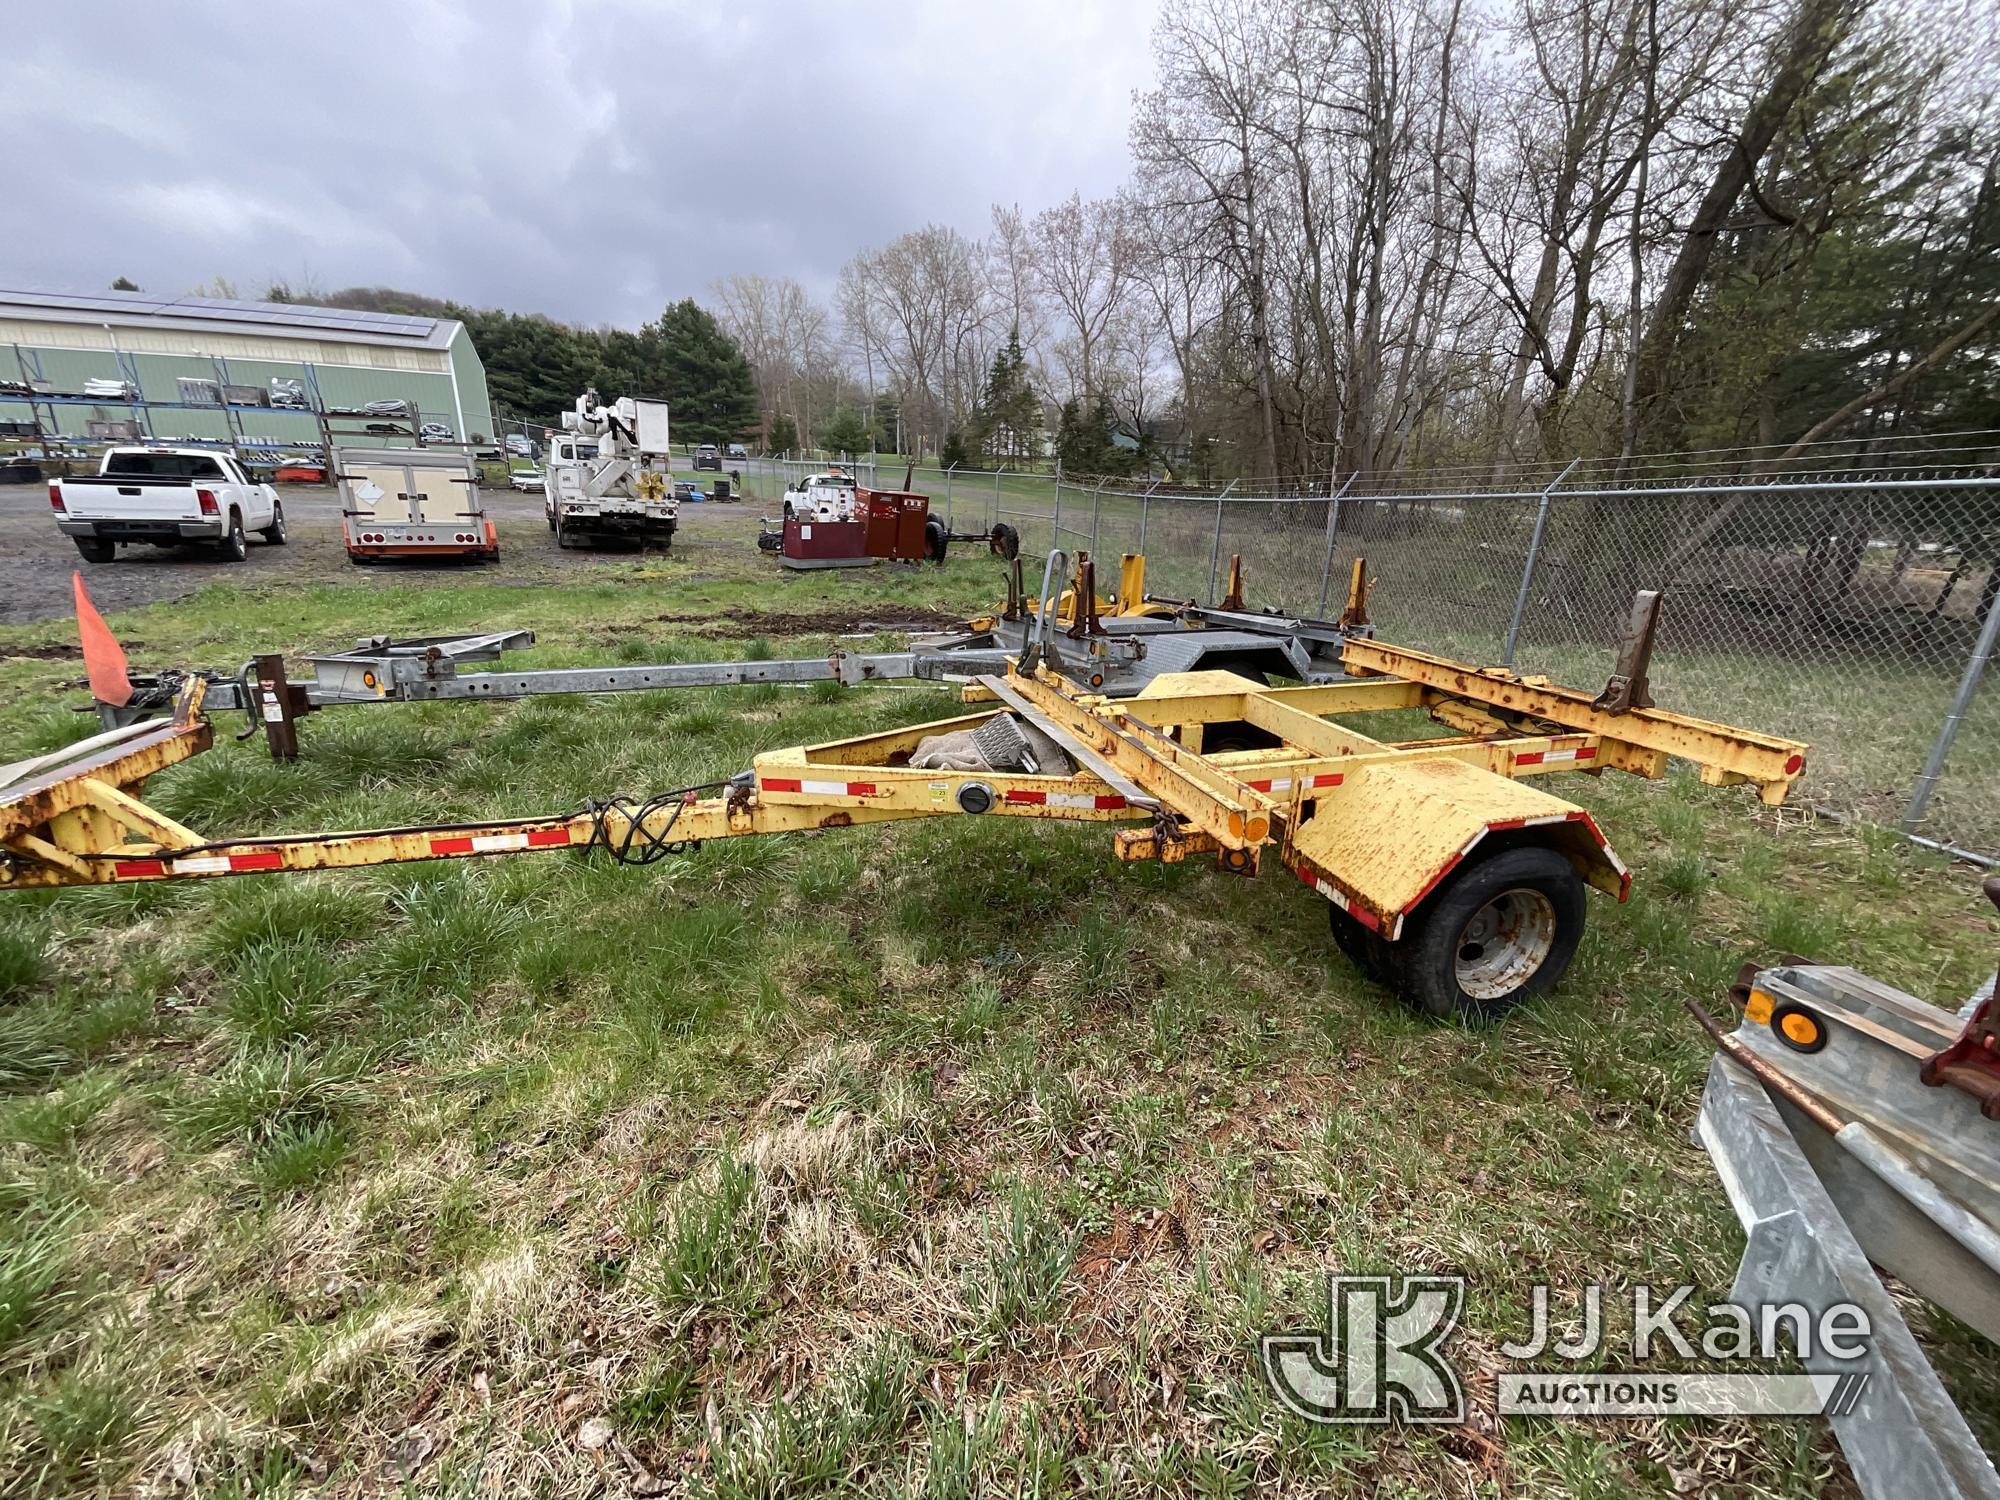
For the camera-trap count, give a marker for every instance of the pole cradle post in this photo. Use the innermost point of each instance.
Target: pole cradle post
(1332, 542)
(1528, 567)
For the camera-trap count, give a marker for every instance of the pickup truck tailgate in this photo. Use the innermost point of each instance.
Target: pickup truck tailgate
(132, 499)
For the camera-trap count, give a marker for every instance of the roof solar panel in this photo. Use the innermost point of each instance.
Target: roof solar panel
(223, 309)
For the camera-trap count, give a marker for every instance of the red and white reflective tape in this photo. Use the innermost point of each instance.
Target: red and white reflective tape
(1317, 878)
(1551, 757)
(1506, 823)
(199, 864)
(1306, 783)
(1107, 802)
(818, 788)
(500, 843)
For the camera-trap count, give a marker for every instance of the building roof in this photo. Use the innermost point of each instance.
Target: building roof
(218, 314)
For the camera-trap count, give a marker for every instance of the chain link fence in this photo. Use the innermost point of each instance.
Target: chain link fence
(1852, 609)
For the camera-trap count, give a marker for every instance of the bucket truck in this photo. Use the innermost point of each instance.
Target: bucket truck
(609, 473)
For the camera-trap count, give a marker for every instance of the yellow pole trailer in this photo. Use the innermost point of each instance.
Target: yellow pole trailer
(1449, 874)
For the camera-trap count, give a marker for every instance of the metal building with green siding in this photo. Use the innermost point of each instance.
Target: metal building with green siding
(169, 349)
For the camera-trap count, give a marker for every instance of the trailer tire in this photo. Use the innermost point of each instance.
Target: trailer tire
(96, 549)
(1501, 930)
(936, 540)
(1005, 541)
(1363, 947)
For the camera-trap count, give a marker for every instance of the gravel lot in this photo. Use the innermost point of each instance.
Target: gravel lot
(36, 560)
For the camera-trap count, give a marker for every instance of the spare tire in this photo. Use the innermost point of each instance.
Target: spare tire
(1005, 541)
(936, 538)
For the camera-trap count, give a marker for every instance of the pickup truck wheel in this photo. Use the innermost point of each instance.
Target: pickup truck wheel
(234, 546)
(1499, 931)
(96, 549)
(275, 532)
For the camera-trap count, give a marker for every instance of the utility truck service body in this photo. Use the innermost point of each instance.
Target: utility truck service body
(609, 474)
(166, 496)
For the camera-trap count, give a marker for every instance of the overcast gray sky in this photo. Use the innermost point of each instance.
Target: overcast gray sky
(588, 160)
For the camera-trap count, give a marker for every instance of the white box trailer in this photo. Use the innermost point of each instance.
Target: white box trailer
(412, 503)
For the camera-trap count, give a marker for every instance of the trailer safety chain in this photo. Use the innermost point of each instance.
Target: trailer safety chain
(640, 845)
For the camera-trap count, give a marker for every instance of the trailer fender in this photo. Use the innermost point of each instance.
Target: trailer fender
(1386, 836)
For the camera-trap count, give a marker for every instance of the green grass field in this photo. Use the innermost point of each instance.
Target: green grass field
(948, 1159)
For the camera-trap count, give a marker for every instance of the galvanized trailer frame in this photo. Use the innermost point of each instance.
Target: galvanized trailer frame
(1117, 647)
(1209, 762)
(1846, 1162)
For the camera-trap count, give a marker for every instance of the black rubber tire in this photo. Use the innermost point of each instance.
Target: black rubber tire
(234, 546)
(1426, 959)
(274, 534)
(1005, 541)
(550, 518)
(95, 548)
(1235, 734)
(1363, 947)
(936, 540)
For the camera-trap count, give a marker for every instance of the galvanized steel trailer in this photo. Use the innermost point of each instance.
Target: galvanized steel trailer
(1449, 876)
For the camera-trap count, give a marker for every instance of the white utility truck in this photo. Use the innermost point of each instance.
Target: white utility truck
(166, 496)
(609, 474)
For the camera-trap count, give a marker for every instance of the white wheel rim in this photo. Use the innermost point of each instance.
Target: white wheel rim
(1505, 943)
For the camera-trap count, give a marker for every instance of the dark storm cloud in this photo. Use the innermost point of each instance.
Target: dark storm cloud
(592, 161)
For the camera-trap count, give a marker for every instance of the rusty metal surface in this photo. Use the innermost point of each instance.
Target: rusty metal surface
(1725, 753)
(1629, 687)
(1388, 833)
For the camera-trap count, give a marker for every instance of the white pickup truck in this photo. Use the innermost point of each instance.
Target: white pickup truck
(166, 496)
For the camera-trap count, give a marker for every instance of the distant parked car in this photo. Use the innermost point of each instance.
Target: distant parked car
(525, 479)
(708, 456)
(519, 446)
(738, 453)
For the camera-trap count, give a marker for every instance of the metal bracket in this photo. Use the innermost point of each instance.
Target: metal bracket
(1233, 599)
(1628, 688)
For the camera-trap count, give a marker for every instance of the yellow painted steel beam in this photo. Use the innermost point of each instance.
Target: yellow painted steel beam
(1724, 752)
(1180, 779)
(1170, 707)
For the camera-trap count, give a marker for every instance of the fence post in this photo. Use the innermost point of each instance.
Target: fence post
(1961, 704)
(947, 495)
(1055, 535)
(1143, 499)
(994, 519)
(1332, 541)
(1528, 567)
(1215, 551)
(1096, 503)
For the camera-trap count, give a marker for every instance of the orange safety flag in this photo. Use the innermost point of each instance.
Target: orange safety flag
(103, 657)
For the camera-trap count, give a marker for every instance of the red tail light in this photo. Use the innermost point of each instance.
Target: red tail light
(55, 497)
(206, 498)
